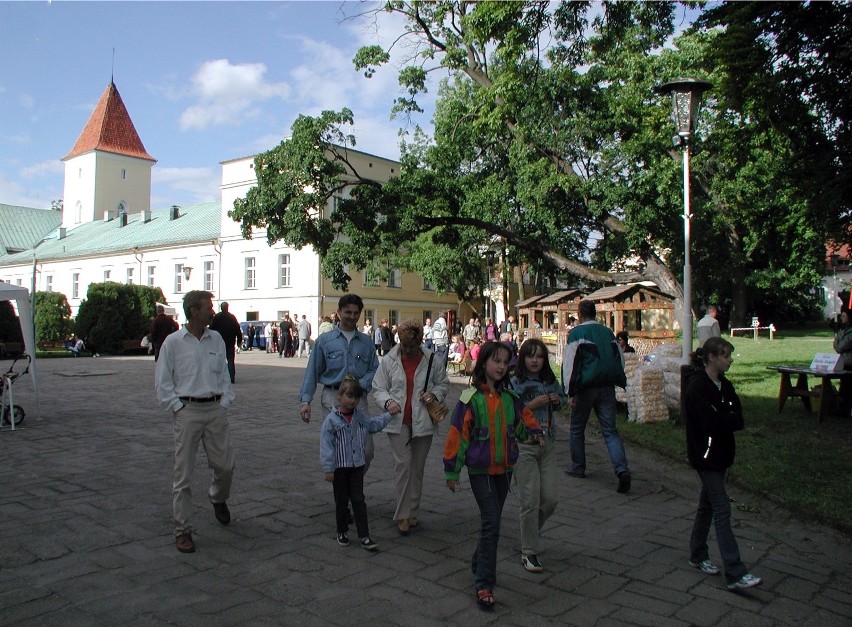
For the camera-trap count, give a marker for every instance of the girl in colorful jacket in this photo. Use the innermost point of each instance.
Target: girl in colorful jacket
(536, 472)
(487, 421)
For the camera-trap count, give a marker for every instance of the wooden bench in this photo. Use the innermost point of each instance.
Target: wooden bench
(463, 368)
(134, 346)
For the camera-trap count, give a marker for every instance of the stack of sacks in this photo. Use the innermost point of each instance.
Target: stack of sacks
(645, 401)
(631, 367)
(666, 358)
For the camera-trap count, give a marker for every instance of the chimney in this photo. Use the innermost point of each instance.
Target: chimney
(122, 220)
(62, 232)
(145, 216)
(108, 215)
(174, 212)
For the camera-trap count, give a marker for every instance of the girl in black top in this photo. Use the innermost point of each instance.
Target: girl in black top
(712, 412)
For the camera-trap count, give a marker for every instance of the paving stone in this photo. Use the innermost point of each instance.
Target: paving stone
(87, 531)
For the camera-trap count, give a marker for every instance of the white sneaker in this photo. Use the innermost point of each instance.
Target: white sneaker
(746, 581)
(705, 567)
(531, 563)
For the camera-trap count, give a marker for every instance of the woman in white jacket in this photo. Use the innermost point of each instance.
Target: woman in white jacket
(398, 387)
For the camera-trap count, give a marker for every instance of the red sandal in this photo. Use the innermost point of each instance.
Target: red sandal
(485, 599)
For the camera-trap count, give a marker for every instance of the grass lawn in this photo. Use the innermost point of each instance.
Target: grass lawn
(788, 456)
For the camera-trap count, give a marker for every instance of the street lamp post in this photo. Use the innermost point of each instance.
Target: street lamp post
(489, 262)
(686, 96)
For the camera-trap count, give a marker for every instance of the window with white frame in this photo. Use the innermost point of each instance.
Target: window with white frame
(369, 314)
(48, 283)
(75, 285)
(251, 273)
(129, 280)
(208, 276)
(178, 278)
(107, 274)
(151, 276)
(370, 279)
(428, 287)
(393, 317)
(394, 277)
(284, 270)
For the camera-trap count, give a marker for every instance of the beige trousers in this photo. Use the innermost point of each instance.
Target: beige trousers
(409, 462)
(206, 423)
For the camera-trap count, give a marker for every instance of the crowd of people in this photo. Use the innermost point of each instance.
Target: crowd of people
(502, 428)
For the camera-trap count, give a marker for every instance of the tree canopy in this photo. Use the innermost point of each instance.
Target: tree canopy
(550, 144)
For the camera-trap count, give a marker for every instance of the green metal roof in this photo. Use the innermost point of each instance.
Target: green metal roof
(21, 228)
(197, 223)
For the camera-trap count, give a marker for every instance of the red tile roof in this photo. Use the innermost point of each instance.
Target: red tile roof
(110, 129)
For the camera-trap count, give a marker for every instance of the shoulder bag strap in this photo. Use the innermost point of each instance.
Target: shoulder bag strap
(428, 372)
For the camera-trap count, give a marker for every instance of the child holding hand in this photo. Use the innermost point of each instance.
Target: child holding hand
(536, 472)
(487, 421)
(342, 437)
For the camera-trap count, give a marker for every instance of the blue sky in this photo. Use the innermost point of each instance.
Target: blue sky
(204, 82)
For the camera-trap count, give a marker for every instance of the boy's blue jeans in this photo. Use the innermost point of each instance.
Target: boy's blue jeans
(490, 492)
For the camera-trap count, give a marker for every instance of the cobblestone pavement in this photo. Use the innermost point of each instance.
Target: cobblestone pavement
(86, 533)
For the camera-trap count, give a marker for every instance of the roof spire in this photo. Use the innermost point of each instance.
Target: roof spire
(110, 129)
(112, 71)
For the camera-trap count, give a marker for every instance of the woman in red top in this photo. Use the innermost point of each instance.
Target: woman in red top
(403, 384)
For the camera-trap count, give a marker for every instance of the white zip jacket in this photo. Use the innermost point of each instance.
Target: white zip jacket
(389, 384)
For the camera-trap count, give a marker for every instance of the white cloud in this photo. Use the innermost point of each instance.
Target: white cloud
(53, 167)
(37, 196)
(194, 184)
(26, 101)
(228, 93)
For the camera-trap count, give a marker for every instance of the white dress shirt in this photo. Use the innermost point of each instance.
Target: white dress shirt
(191, 367)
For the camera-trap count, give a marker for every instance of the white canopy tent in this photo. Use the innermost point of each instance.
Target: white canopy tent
(21, 296)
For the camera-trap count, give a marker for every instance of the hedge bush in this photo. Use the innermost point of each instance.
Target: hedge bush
(114, 312)
(52, 317)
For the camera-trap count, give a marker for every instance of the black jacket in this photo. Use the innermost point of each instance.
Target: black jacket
(711, 416)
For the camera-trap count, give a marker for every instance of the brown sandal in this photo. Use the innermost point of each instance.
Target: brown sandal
(485, 598)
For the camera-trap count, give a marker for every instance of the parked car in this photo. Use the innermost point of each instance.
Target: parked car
(259, 338)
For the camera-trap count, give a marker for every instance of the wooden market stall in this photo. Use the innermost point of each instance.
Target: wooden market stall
(643, 310)
(528, 314)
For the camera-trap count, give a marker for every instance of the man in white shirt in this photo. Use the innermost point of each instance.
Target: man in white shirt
(708, 326)
(427, 334)
(198, 395)
(441, 340)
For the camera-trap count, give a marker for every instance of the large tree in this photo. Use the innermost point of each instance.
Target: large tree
(549, 143)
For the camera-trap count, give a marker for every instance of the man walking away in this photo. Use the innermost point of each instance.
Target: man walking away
(441, 341)
(708, 326)
(304, 336)
(592, 366)
(225, 324)
(161, 328)
(192, 382)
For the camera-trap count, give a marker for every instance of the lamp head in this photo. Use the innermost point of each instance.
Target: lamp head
(686, 96)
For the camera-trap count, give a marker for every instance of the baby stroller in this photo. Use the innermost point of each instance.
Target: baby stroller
(10, 413)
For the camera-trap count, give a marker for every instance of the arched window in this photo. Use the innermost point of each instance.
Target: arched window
(78, 212)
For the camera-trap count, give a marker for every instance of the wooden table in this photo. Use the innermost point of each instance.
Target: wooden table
(801, 388)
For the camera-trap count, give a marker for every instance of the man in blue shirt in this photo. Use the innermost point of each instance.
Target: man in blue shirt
(337, 353)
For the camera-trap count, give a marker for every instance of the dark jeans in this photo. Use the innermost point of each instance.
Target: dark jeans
(285, 346)
(349, 486)
(713, 505)
(490, 492)
(602, 400)
(232, 369)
